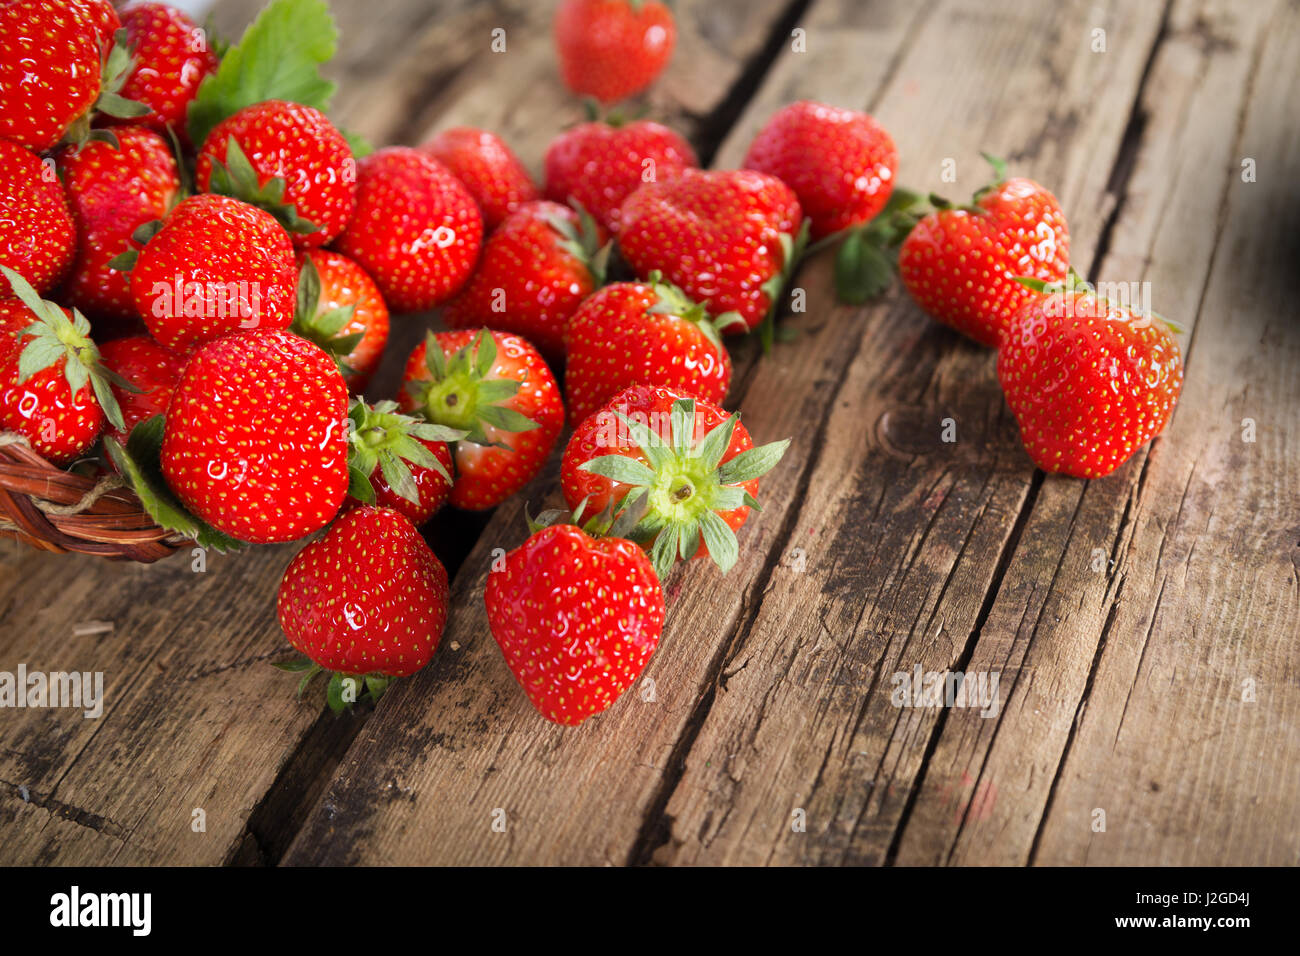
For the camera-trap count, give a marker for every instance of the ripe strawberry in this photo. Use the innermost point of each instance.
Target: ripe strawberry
(728, 239)
(840, 163)
(416, 229)
(216, 265)
(103, 15)
(496, 388)
(255, 443)
(600, 164)
(678, 469)
(287, 159)
(611, 49)
(486, 166)
(171, 59)
(1089, 381)
(397, 461)
(37, 235)
(535, 271)
(152, 368)
(959, 263)
(576, 617)
(50, 71)
(113, 192)
(341, 310)
(634, 333)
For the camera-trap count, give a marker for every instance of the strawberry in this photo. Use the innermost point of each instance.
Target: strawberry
(535, 271)
(959, 263)
(37, 235)
(598, 165)
(576, 617)
(113, 192)
(103, 16)
(497, 389)
(727, 238)
(216, 265)
(341, 310)
(611, 49)
(416, 229)
(287, 159)
(171, 60)
(1089, 381)
(255, 443)
(634, 333)
(398, 461)
(50, 71)
(840, 163)
(679, 469)
(152, 368)
(486, 166)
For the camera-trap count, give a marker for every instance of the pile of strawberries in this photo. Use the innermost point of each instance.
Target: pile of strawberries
(222, 265)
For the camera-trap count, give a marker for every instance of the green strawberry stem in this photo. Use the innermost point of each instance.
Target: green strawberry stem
(380, 437)
(460, 395)
(364, 686)
(238, 179)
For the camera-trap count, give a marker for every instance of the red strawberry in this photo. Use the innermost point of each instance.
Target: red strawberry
(535, 271)
(492, 173)
(255, 443)
(113, 192)
(1088, 380)
(681, 470)
(959, 263)
(840, 163)
(726, 238)
(633, 333)
(171, 59)
(341, 310)
(216, 265)
(50, 71)
(367, 600)
(416, 229)
(289, 160)
(37, 236)
(398, 461)
(611, 49)
(599, 165)
(151, 368)
(104, 16)
(496, 388)
(576, 617)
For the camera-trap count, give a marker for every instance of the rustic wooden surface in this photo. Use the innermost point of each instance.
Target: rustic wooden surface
(1160, 691)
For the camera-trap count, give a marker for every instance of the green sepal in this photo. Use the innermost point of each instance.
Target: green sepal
(380, 437)
(792, 249)
(237, 178)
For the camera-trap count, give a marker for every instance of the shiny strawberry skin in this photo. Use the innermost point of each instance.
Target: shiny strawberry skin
(210, 244)
(103, 15)
(368, 598)
(577, 619)
(50, 71)
(150, 367)
(344, 283)
(37, 236)
(416, 229)
(960, 266)
(840, 163)
(610, 49)
(488, 168)
(255, 442)
(112, 192)
(172, 59)
(600, 165)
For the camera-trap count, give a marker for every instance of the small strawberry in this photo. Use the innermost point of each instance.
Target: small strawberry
(255, 442)
(611, 49)
(498, 390)
(216, 265)
(535, 271)
(171, 59)
(151, 368)
(37, 235)
(416, 230)
(840, 163)
(576, 617)
(598, 165)
(397, 461)
(493, 174)
(679, 469)
(1089, 381)
(341, 310)
(634, 333)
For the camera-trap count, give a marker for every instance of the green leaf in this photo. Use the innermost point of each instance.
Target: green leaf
(359, 486)
(721, 541)
(862, 271)
(651, 445)
(715, 444)
(334, 693)
(683, 424)
(506, 419)
(398, 477)
(752, 464)
(360, 146)
(619, 468)
(663, 553)
(295, 666)
(495, 390)
(485, 353)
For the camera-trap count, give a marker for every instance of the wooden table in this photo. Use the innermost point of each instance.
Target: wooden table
(1144, 627)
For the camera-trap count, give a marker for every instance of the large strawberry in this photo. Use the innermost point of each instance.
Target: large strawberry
(497, 388)
(289, 160)
(1090, 381)
(37, 235)
(535, 271)
(49, 73)
(255, 441)
(493, 174)
(682, 467)
(399, 461)
(171, 59)
(635, 333)
(610, 49)
(576, 617)
(341, 310)
(598, 165)
(416, 229)
(216, 265)
(151, 369)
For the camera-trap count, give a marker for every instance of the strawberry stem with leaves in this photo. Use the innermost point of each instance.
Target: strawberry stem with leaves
(460, 395)
(380, 437)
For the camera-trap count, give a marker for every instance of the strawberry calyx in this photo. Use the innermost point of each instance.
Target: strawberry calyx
(116, 64)
(381, 437)
(793, 248)
(237, 178)
(323, 327)
(673, 301)
(583, 241)
(460, 395)
(344, 689)
(125, 261)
